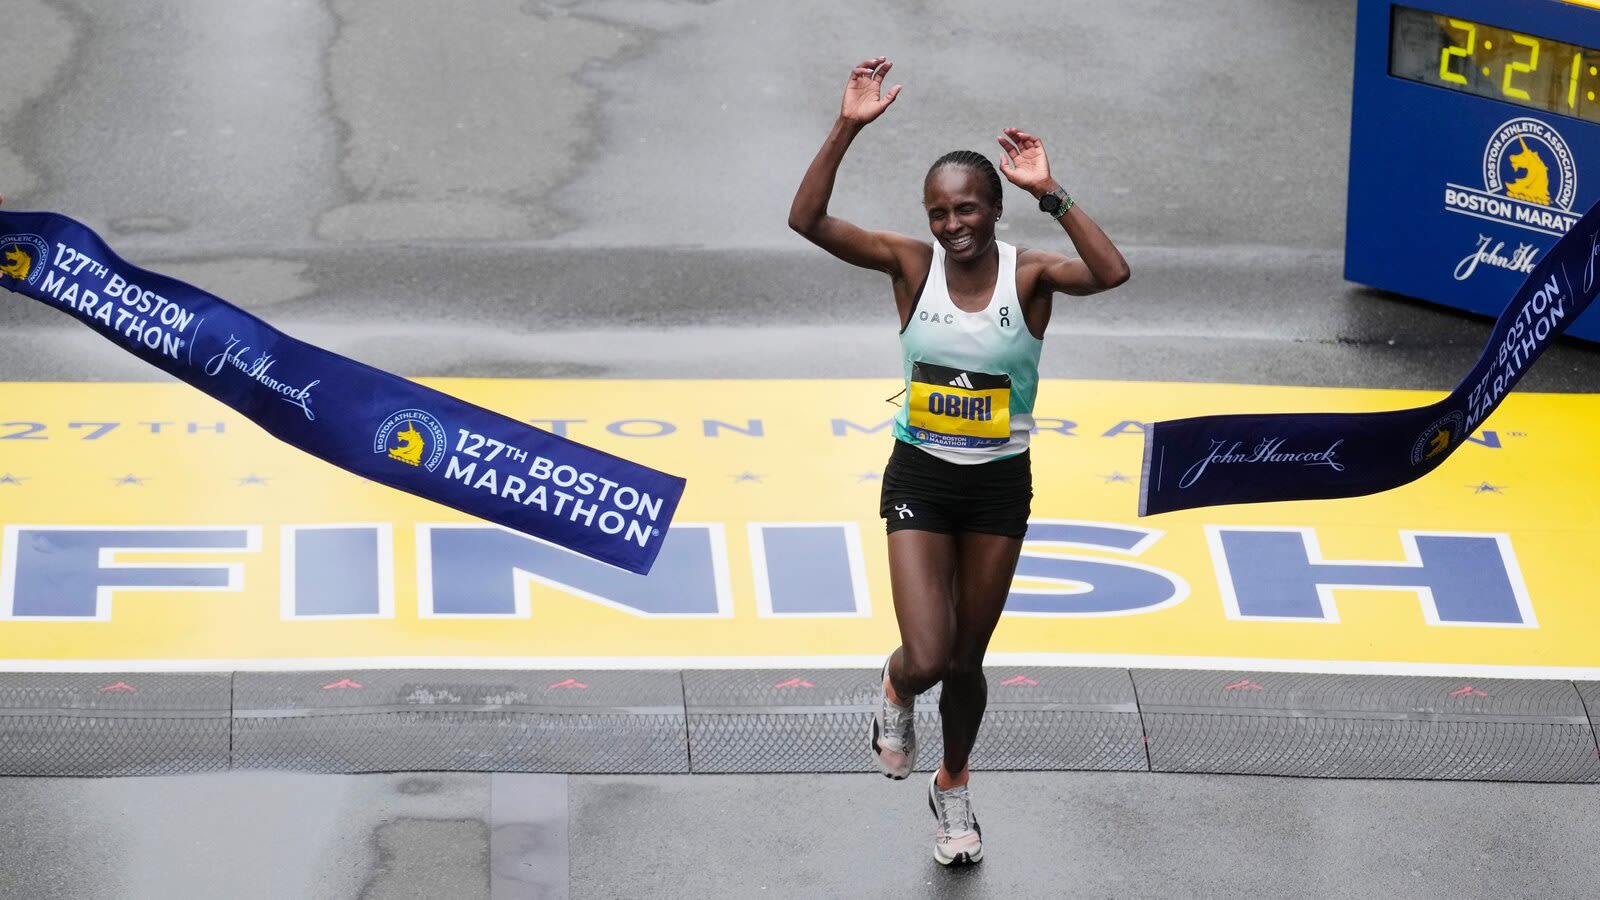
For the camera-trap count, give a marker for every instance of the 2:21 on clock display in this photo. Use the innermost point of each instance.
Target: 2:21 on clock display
(1498, 63)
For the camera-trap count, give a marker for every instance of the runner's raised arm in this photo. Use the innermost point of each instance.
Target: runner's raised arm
(864, 100)
(1099, 265)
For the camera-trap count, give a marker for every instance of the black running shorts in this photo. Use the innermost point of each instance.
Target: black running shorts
(926, 493)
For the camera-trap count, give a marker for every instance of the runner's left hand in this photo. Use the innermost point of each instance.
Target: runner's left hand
(1024, 164)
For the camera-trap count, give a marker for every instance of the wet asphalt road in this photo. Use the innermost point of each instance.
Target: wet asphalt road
(599, 189)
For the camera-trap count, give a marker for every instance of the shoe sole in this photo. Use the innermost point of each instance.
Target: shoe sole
(960, 859)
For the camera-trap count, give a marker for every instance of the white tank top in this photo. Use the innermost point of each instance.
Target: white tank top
(970, 377)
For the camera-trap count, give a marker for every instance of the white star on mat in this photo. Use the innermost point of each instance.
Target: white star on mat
(129, 479)
(252, 479)
(1116, 477)
(868, 476)
(1487, 488)
(9, 478)
(747, 476)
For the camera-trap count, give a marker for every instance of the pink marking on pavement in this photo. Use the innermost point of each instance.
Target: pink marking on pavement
(121, 687)
(1244, 684)
(343, 684)
(794, 683)
(1468, 691)
(1019, 680)
(570, 683)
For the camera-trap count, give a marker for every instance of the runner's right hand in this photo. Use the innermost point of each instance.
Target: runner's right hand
(864, 96)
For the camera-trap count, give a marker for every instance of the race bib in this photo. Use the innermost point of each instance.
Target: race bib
(959, 408)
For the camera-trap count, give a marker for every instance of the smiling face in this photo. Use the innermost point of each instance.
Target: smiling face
(961, 211)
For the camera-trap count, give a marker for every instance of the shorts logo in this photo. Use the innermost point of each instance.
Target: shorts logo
(904, 510)
(1437, 438)
(1530, 180)
(22, 257)
(400, 438)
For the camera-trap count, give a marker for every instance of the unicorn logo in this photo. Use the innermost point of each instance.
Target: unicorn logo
(413, 437)
(17, 263)
(1436, 440)
(1439, 444)
(22, 257)
(1529, 162)
(411, 446)
(1534, 184)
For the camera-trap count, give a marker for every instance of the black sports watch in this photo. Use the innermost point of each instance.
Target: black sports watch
(1056, 203)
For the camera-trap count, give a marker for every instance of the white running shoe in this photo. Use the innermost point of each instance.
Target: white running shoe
(958, 841)
(893, 733)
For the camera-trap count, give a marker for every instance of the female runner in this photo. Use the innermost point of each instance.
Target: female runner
(957, 487)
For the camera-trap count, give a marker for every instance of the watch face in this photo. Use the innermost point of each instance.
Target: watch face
(1049, 203)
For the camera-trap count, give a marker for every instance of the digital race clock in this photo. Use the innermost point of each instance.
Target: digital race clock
(1490, 61)
(1474, 144)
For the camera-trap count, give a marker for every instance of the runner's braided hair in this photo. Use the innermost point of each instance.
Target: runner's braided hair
(970, 159)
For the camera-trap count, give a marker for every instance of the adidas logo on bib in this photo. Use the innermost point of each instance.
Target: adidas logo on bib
(962, 381)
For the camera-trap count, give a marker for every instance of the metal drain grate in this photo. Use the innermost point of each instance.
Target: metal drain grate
(626, 722)
(575, 722)
(818, 720)
(113, 724)
(1352, 726)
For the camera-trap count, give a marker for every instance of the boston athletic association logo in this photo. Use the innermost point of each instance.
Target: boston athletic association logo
(1530, 180)
(1438, 438)
(1528, 160)
(22, 257)
(412, 437)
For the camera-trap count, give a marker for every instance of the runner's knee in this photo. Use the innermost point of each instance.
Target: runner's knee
(923, 667)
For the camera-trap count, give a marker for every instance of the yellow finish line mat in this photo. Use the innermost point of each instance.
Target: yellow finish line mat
(147, 527)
